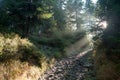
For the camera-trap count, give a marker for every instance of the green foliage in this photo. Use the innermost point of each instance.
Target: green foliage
(13, 47)
(45, 16)
(110, 38)
(73, 9)
(22, 16)
(89, 7)
(55, 44)
(108, 51)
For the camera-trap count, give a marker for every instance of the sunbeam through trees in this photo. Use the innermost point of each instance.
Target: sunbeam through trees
(59, 40)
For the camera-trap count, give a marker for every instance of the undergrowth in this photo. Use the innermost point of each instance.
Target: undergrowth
(54, 45)
(28, 59)
(106, 68)
(20, 59)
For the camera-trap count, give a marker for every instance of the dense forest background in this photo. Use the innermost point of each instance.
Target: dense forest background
(36, 33)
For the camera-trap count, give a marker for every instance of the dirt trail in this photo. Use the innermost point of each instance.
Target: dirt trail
(74, 67)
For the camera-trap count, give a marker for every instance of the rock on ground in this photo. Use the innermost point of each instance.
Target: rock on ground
(72, 68)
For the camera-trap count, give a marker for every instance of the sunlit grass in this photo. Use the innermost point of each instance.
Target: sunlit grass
(20, 59)
(11, 45)
(17, 70)
(45, 15)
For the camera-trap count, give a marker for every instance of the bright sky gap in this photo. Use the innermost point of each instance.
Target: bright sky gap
(94, 1)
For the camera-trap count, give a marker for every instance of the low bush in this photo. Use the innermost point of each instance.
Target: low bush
(20, 59)
(105, 68)
(13, 46)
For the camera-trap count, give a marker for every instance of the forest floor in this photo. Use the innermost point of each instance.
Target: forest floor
(74, 67)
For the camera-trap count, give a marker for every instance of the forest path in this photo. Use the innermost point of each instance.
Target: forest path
(74, 67)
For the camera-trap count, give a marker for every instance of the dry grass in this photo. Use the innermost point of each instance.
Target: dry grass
(20, 59)
(105, 69)
(16, 70)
